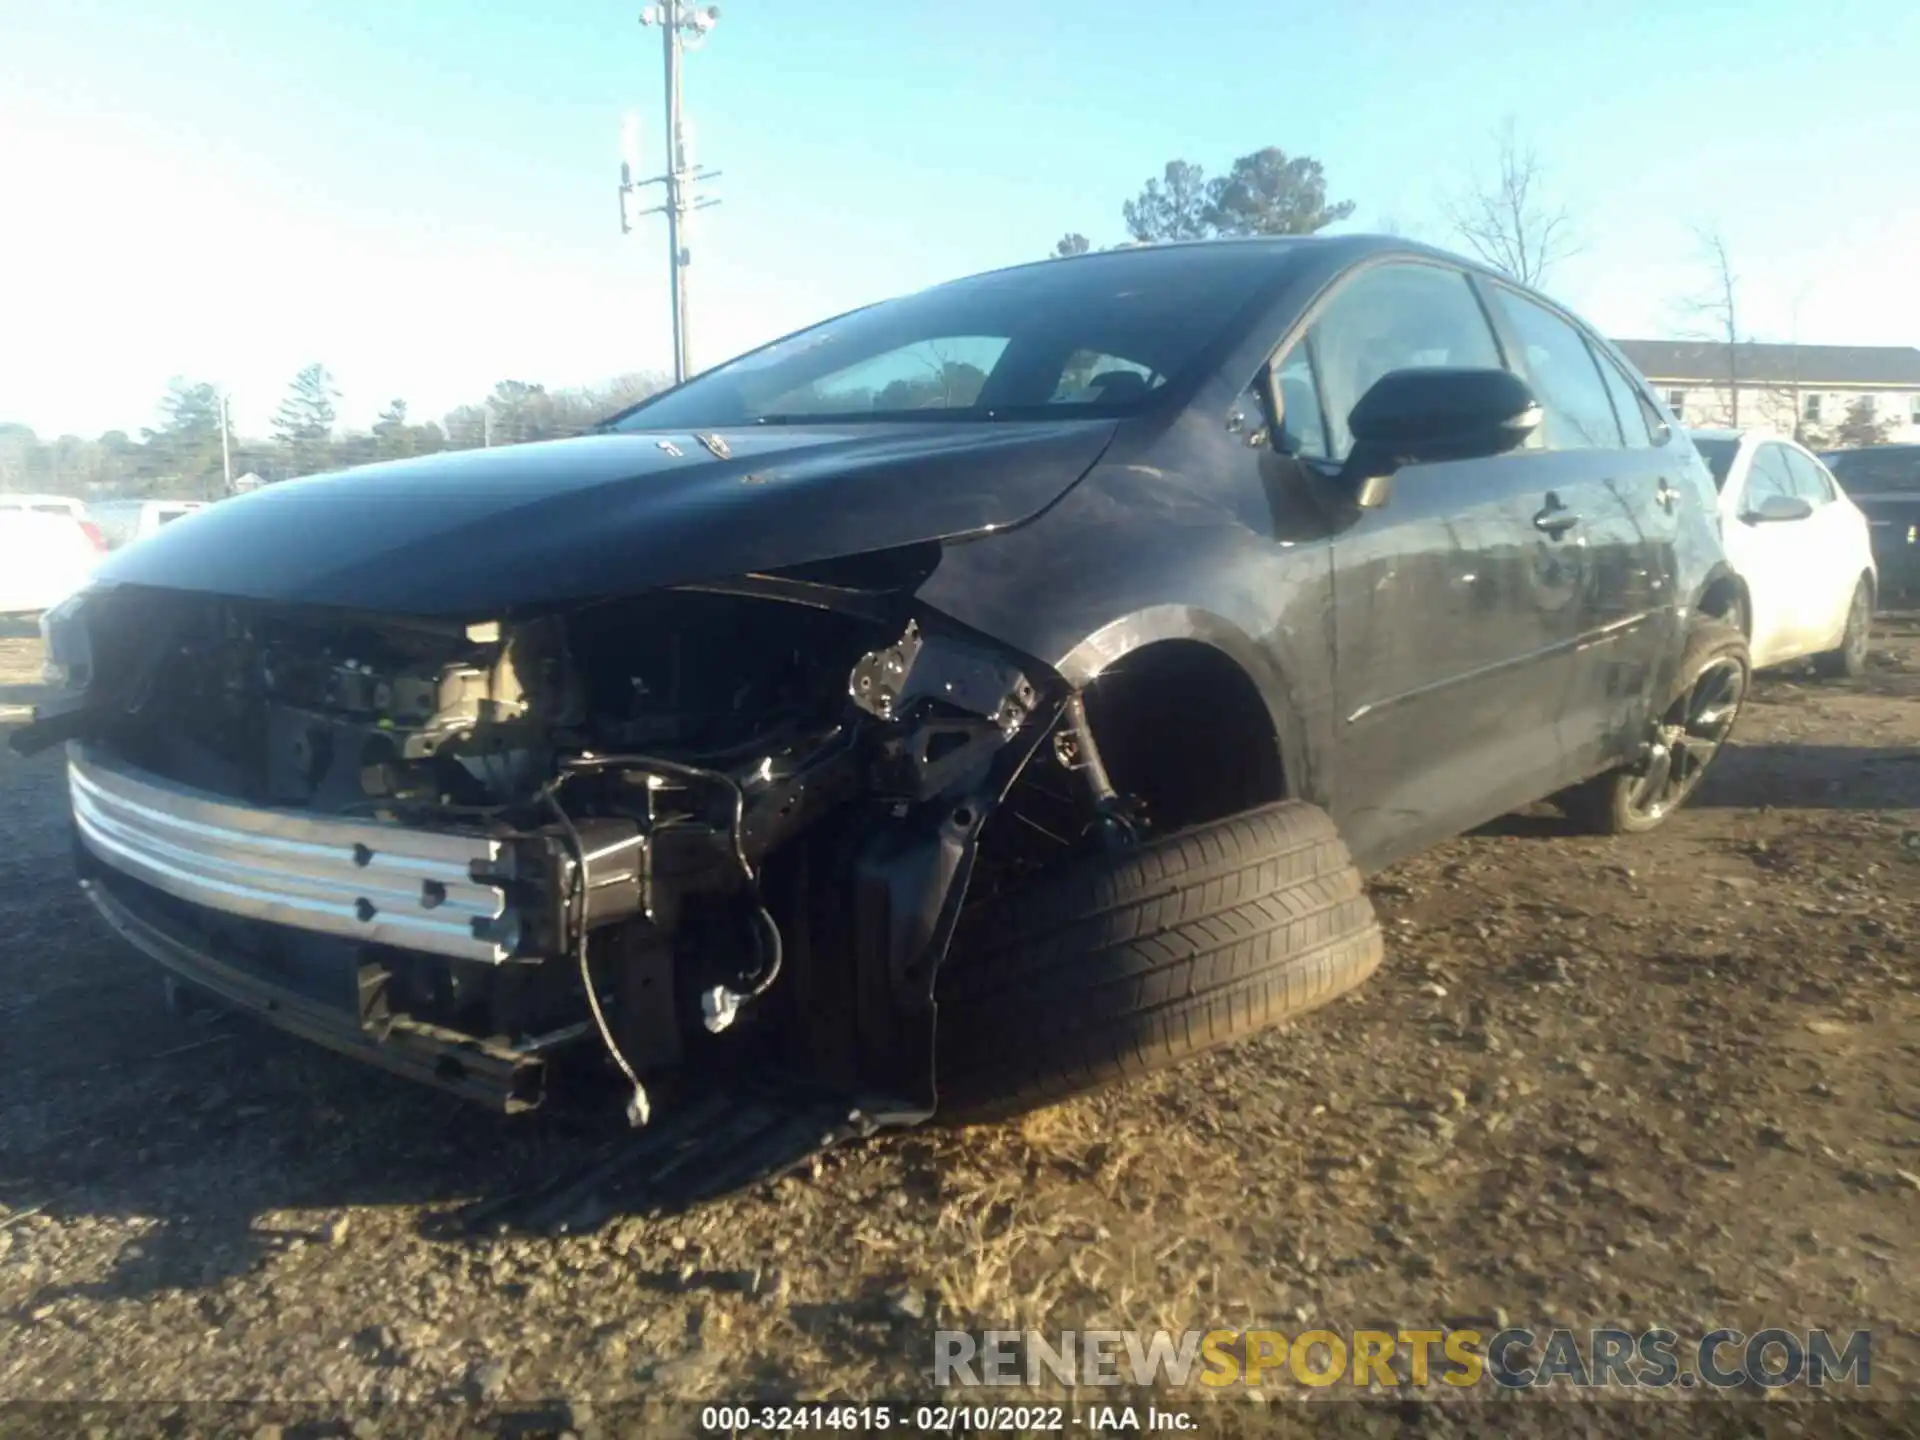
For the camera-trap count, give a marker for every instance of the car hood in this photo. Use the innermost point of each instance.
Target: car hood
(472, 532)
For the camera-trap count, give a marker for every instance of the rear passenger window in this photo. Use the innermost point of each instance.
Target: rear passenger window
(1394, 317)
(1564, 376)
(1628, 408)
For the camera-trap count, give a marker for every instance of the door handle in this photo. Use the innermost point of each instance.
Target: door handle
(1555, 519)
(1666, 495)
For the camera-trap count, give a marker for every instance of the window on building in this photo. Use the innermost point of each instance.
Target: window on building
(1676, 401)
(1868, 406)
(1810, 410)
(1913, 412)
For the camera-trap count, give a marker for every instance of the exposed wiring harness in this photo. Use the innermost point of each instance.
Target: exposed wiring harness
(772, 950)
(767, 929)
(639, 1108)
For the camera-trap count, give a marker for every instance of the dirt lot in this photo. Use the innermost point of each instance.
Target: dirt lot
(1667, 1081)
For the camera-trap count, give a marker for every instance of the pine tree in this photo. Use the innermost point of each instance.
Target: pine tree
(304, 421)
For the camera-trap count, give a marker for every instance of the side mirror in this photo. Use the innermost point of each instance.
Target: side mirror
(1776, 508)
(1416, 417)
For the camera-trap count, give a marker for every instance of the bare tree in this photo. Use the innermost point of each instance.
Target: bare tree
(1792, 394)
(1716, 309)
(1509, 217)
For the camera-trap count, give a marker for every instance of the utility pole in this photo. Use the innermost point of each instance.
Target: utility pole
(682, 27)
(226, 450)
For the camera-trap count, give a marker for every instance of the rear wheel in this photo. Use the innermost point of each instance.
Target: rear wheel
(1687, 735)
(1123, 962)
(1850, 659)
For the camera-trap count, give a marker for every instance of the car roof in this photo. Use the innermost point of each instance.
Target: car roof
(1336, 249)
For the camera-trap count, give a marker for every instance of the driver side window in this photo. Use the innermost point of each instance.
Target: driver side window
(1401, 316)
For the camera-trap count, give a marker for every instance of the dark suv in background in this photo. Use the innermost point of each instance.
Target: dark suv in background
(1884, 481)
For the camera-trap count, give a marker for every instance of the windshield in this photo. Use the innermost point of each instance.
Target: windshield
(1719, 457)
(1104, 335)
(1889, 471)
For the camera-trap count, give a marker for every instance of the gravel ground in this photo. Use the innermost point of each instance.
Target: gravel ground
(1667, 1080)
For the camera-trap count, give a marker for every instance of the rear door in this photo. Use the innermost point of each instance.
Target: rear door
(1441, 615)
(1603, 520)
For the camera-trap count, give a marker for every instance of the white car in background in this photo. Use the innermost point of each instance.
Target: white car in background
(125, 521)
(1801, 546)
(45, 556)
(45, 505)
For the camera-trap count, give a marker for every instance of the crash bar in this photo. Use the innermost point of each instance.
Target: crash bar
(382, 884)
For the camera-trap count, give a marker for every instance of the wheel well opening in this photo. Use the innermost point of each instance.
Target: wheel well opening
(1183, 727)
(1726, 598)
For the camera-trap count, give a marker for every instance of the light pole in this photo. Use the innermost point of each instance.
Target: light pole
(682, 27)
(226, 449)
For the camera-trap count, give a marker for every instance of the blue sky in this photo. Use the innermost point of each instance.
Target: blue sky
(421, 195)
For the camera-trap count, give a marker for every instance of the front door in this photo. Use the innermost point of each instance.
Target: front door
(1441, 604)
(1774, 558)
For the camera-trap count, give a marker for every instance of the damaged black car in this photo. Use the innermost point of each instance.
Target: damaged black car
(970, 700)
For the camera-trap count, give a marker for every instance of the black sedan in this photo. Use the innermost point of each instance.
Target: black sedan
(974, 698)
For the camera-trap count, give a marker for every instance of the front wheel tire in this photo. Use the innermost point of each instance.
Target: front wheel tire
(1709, 689)
(1125, 962)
